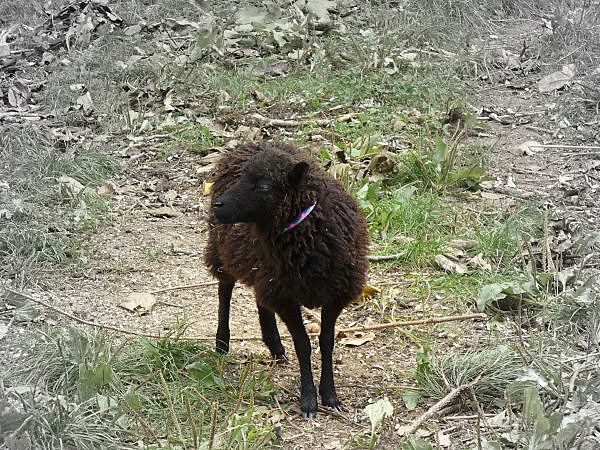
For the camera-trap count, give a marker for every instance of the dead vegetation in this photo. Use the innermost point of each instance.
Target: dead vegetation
(443, 118)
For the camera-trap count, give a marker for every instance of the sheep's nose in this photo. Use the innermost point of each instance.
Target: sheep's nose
(217, 204)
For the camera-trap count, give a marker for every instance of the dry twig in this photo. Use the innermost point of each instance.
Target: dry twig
(431, 320)
(383, 257)
(433, 410)
(290, 123)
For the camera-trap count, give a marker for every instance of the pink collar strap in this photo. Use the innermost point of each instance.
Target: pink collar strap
(303, 215)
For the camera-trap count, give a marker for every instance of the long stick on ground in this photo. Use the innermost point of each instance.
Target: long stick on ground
(381, 326)
(384, 257)
(431, 320)
(433, 410)
(569, 147)
(186, 286)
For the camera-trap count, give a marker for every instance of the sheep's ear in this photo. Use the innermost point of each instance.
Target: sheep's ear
(297, 174)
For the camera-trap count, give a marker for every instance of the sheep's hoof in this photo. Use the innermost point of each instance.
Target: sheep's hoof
(222, 348)
(308, 406)
(332, 402)
(280, 358)
(309, 414)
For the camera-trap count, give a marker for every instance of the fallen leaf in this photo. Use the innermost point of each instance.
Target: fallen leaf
(378, 411)
(510, 181)
(4, 50)
(450, 266)
(443, 439)
(411, 399)
(164, 212)
(313, 327)
(557, 80)
(71, 183)
(491, 195)
(108, 189)
(250, 15)
(564, 179)
(4, 327)
(224, 96)
(479, 262)
(462, 244)
(85, 101)
(357, 339)
(140, 302)
(258, 96)
(333, 445)
(207, 188)
(369, 291)
(529, 148)
(130, 31)
(18, 94)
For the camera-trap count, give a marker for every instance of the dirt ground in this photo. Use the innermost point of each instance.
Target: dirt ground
(140, 252)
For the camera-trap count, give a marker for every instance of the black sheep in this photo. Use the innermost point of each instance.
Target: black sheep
(282, 225)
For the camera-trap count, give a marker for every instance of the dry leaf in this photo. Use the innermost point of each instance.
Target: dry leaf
(259, 96)
(333, 445)
(450, 266)
(462, 244)
(564, 179)
(4, 50)
(443, 439)
(164, 212)
(140, 302)
(77, 87)
(557, 80)
(108, 189)
(85, 101)
(357, 338)
(130, 31)
(369, 291)
(313, 327)
(529, 148)
(207, 188)
(491, 195)
(510, 181)
(224, 96)
(479, 262)
(4, 327)
(75, 186)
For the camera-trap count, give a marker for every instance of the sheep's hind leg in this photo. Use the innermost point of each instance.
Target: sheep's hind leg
(329, 314)
(222, 340)
(308, 394)
(270, 334)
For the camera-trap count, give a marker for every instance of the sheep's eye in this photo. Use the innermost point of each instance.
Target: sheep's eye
(263, 188)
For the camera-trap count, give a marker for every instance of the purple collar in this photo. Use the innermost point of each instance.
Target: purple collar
(303, 215)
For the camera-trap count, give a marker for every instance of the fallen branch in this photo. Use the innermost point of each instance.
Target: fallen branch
(187, 286)
(433, 410)
(290, 123)
(569, 147)
(384, 257)
(431, 320)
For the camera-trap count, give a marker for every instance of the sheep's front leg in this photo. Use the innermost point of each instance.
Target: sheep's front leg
(308, 394)
(329, 314)
(270, 334)
(222, 340)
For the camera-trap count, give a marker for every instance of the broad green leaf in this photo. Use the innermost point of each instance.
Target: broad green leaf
(378, 411)
(441, 153)
(404, 193)
(416, 444)
(411, 399)
(204, 373)
(490, 293)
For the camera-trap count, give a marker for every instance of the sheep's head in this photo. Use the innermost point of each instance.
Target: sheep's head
(266, 183)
